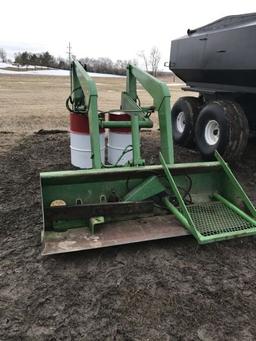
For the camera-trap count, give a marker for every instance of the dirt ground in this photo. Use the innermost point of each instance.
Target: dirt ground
(164, 290)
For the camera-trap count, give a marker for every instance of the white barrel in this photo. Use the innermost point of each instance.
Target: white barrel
(80, 144)
(80, 147)
(119, 141)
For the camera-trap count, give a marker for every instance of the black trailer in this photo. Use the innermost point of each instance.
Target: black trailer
(218, 61)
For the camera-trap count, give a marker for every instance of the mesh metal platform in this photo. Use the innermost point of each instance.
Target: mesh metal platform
(215, 218)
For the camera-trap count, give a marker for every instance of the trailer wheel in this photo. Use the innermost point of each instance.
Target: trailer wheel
(184, 114)
(223, 126)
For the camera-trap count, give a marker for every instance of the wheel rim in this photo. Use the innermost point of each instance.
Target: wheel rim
(212, 132)
(180, 122)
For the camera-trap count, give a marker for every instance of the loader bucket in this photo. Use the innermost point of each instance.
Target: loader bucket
(98, 208)
(89, 209)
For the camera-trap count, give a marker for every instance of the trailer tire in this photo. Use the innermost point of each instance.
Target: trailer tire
(184, 114)
(223, 126)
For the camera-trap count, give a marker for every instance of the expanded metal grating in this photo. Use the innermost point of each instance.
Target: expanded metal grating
(215, 218)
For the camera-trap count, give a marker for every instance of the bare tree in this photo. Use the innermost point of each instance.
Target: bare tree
(154, 59)
(144, 57)
(3, 55)
(133, 61)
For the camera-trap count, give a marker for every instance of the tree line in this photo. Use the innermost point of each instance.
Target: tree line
(99, 65)
(150, 60)
(106, 65)
(40, 59)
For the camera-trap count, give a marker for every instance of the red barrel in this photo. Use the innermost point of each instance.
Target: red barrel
(119, 140)
(119, 117)
(80, 143)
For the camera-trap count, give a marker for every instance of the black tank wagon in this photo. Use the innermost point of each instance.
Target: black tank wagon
(219, 62)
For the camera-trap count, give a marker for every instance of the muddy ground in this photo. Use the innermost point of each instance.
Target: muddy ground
(162, 290)
(156, 291)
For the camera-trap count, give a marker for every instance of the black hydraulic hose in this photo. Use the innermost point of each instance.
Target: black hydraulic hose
(69, 99)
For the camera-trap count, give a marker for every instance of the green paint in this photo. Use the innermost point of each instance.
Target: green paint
(88, 87)
(147, 189)
(161, 101)
(203, 196)
(174, 210)
(95, 221)
(235, 209)
(146, 123)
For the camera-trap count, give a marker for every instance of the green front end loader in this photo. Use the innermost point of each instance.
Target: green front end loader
(113, 205)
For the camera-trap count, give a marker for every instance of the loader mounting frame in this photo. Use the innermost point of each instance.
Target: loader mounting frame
(104, 206)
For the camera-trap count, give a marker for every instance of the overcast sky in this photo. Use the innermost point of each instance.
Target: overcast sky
(110, 28)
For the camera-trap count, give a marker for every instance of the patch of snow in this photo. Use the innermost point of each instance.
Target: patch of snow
(176, 84)
(49, 72)
(5, 65)
(24, 67)
(104, 75)
(36, 72)
(28, 67)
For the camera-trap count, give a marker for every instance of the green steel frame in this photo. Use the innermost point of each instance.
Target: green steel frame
(211, 183)
(161, 96)
(84, 90)
(84, 87)
(205, 197)
(231, 186)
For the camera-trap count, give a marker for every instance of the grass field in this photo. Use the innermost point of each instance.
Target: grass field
(30, 103)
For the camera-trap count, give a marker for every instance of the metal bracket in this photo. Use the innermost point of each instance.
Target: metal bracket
(95, 221)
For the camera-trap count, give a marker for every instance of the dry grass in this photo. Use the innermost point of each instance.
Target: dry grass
(30, 103)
